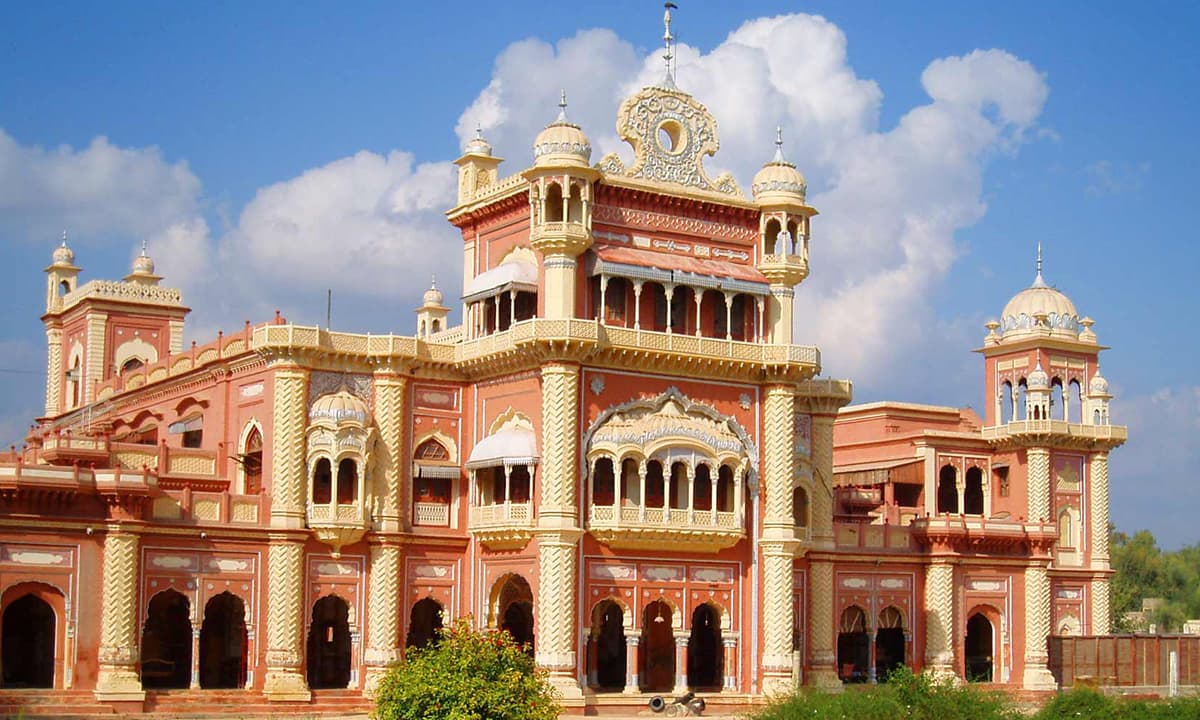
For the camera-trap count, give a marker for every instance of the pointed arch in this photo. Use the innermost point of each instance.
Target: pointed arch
(223, 642)
(607, 649)
(705, 649)
(166, 648)
(250, 452)
(31, 635)
(329, 644)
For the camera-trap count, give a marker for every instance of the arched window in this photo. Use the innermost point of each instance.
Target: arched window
(131, 365)
(603, 481)
(424, 624)
(725, 489)
(75, 382)
(947, 495)
(973, 492)
(322, 493)
(800, 506)
(770, 234)
(433, 451)
(1058, 404)
(347, 481)
(1022, 390)
(654, 484)
(553, 203)
(1006, 402)
(1075, 401)
(631, 483)
(575, 204)
(702, 489)
(252, 461)
(679, 486)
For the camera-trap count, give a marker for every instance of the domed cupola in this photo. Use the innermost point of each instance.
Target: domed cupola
(478, 146)
(63, 255)
(562, 143)
(779, 182)
(1098, 386)
(1039, 310)
(432, 315)
(340, 441)
(142, 269)
(1038, 380)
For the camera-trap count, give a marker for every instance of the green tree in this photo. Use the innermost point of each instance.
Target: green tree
(467, 675)
(1142, 570)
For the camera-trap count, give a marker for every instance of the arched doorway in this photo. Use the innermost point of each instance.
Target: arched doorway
(167, 642)
(223, 643)
(889, 643)
(27, 638)
(978, 649)
(424, 623)
(608, 638)
(853, 646)
(657, 649)
(329, 644)
(514, 610)
(705, 654)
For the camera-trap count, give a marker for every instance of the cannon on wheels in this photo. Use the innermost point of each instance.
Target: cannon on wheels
(682, 706)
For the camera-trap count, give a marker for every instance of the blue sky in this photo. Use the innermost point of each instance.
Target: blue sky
(270, 150)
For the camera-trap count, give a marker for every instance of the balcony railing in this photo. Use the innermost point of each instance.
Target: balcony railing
(637, 526)
(339, 524)
(431, 514)
(1109, 433)
(506, 525)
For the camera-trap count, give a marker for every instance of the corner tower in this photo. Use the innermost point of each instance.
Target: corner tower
(1048, 409)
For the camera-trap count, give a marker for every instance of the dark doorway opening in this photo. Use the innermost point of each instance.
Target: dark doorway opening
(978, 649)
(424, 623)
(657, 650)
(167, 642)
(515, 610)
(608, 634)
(889, 643)
(27, 638)
(329, 644)
(853, 646)
(223, 643)
(705, 654)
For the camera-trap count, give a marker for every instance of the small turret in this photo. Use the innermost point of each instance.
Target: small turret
(432, 315)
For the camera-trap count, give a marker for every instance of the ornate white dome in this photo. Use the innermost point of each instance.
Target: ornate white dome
(1040, 309)
(1098, 385)
(63, 255)
(562, 143)
(339, 407)
(143, 264)
(779, 180)
(433, 297)
(1038, 380)
(478, 146)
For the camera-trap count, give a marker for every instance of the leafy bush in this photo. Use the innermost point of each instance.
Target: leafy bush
(467, 675)
(1084, 703)
(906, 695)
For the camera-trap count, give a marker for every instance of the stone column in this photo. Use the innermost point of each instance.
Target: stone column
(118, 678)
(288, 474)
(1038, 463)
(778, 538)
(383, 615)
(820, 639)
(939, 622)
(821, 501)
(1101, 611)
(681, 660)
(93, 365)
(392, 466)
(285, 679)
(558, 529)
(1037, 628)
(631, 661)
(730, 679)
(54, 371)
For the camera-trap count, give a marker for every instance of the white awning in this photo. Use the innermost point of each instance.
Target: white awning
(196, 422)
(514, 274)
(450, 472)
(508, 447)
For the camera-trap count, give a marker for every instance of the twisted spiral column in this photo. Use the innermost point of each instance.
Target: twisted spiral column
(390, 457)
(1099, 488)
(820, 638)
(290, 415)
(285, 622)
(53, 371)
(118, 678)
(777, 616)
(779, 457)
(1101, 607)
(822, 495)
(1037, 629)
(939, 626)
(558, 528)
(778, 544)
(1038, 463)
(383, 615)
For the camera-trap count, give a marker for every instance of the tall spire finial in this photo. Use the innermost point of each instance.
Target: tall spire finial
(1038, 281)
(143, 247)
(433, 281)
(562, 105)
(779, 144)
(64, 241)
(667, 39)
(478, 131)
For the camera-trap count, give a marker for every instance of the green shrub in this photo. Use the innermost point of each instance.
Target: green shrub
(1085, 703)
(468, 675)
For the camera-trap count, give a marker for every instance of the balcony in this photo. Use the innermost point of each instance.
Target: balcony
(636, 527)
(570, 238)
(431, 514)
(338, 524)
(1061, 431)
(502, 526)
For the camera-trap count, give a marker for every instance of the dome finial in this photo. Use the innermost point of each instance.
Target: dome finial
(779, 144)
(562, 106)
(433, 281)
(64, 239)
(144, 248)
(1038, 281)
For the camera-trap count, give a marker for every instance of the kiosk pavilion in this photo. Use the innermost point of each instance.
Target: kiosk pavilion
(620, 456)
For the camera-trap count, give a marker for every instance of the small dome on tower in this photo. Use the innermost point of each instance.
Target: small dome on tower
(63, 255)
(562, 143)
(1038, 380)
(433, 297)
(1040, 309)
(143, 264)
(1099, 385)
(779, 180)
(478, 146)
(339, 407)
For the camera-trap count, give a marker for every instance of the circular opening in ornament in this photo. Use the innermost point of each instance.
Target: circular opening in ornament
(672, 137)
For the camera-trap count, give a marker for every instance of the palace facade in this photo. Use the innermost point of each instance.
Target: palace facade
(621, 456)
